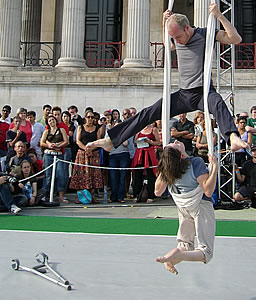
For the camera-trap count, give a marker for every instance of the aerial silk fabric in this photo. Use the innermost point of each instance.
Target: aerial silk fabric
(166, 104)
(207, 78)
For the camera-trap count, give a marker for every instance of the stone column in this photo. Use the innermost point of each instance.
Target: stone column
(73, 30)
(201, 12)
(138, 33)
(31, 31)
(10, 24)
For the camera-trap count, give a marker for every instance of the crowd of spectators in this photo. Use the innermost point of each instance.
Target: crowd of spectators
(28, 145)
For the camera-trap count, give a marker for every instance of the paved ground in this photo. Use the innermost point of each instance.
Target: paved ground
(161, 208)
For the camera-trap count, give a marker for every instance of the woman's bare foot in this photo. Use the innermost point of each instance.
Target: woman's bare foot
(170, 259)
(237, 143)
(106, 144)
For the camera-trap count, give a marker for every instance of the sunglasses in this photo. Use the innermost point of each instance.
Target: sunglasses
(90, 117)
(5, 110)
(126, 114)
(242, 122)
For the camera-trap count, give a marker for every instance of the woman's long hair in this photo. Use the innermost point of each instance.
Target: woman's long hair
(171, 166)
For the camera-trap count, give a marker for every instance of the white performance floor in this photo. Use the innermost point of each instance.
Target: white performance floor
(122, 267)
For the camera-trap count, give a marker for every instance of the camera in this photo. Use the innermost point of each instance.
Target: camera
(11, 179)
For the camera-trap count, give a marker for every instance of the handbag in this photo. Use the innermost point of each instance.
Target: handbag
(143, 195)
(84, 196)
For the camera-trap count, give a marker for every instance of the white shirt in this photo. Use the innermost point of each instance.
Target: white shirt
(37, 132)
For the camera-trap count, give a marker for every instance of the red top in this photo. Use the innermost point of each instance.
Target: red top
(4, 127)
(27, 129)
(148, 152)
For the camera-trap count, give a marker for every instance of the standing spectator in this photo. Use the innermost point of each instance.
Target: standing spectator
(202, 143)
(145, 157)
(118, 158)
(12, 137)
(198, 119)
(183, 131)
(96, 119)
(86, 177)
(131, 148)
(66, 118)
(251, 125)
(159, 148)
(3, 146)
(25, 125)
(37, 132)
(75, 117)
(5, 117)
(133, 111)
(241, 155)
(46, 111)
(116, 114)
(56, 112)
(54, 140)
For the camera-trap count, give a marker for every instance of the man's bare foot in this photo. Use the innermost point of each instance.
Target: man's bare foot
(106, 144)
(170, 259)
(237, 143)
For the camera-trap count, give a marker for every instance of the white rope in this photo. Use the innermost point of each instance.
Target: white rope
(209, 47)
(104, 168)
(35, 175)
(166, 104)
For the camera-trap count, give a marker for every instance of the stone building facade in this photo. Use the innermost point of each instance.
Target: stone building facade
(64, 26)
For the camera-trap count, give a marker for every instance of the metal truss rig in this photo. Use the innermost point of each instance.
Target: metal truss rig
(225, 76)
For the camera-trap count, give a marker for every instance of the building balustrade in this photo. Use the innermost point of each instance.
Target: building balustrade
(245, 56)
(40, 53)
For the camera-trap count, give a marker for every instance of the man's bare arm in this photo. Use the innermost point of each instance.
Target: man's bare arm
(230, 34)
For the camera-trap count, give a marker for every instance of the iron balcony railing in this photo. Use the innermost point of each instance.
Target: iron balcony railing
(245, 56)
(40, 53)
(104, 55)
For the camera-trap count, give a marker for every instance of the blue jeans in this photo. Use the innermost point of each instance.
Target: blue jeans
(8, 199)
(117, 178)
(67, 157)
(59, 176)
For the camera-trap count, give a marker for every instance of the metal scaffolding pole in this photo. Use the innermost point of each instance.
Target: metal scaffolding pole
(225, 79)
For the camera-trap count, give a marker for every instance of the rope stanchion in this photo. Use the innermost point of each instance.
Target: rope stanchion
(53, 178)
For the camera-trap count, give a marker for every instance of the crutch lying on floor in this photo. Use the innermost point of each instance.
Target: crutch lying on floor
(36, 270)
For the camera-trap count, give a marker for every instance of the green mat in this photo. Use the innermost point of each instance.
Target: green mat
(116, 226)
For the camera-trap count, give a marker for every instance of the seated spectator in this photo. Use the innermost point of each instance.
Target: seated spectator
(85, 177)
(7, 201)
(183, 131)
(145, 157)
(247, 176)
(241, 155)
(25, 125)
(37, 132)
(5, 117)
(30, 187)
(37, 166)
(12, 137)
(251, 124)
(53, 141)
(16, 160)
(118, 158)
(3, 146)
(46, 111)
(202, 143)
(17, 187)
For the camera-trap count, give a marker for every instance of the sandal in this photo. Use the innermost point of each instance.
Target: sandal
(150, 200)
(77, 201)
(121, 201)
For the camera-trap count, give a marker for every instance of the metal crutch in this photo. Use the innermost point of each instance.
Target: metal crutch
(16, 266)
